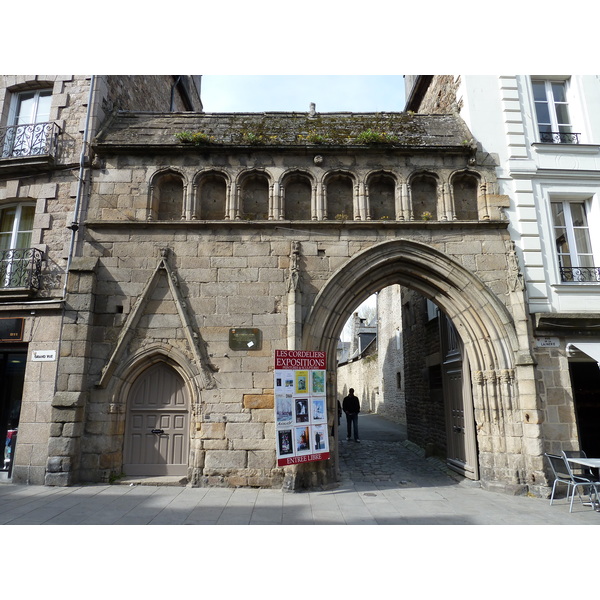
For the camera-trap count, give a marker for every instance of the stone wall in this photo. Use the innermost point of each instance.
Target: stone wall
(171, 290)
(364, 376)
(52, 420)
(425, 409)
(440, 97)
(150, 93)
(392, 404)
(230, 275)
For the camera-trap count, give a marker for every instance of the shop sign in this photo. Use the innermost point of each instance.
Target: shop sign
(300, 407)
(11, 330)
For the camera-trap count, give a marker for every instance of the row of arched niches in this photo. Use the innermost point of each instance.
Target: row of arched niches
(298, 195)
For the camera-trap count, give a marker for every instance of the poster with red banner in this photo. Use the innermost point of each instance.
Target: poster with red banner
(300, 406)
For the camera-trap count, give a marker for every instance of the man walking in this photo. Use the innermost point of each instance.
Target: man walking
(351, 406)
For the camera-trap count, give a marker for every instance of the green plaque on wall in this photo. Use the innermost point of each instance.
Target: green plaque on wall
(245, 339)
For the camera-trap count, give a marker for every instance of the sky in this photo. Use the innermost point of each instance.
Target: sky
(295, 93)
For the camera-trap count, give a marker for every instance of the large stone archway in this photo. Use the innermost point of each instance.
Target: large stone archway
(501, 369)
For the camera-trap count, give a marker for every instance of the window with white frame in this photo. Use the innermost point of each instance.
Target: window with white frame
(28, 123)
(573, 242)
(16, 229)
(552, 112)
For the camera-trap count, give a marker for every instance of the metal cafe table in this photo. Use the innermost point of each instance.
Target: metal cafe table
(592, 463)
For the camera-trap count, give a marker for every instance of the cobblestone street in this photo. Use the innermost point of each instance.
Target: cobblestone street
(390, 464)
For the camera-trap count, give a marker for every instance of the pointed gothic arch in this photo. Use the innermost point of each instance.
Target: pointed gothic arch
(484, 324)
(157, 392)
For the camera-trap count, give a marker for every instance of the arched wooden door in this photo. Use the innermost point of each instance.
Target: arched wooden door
(157, 427)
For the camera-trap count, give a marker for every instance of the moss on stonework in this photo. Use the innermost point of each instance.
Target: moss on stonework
(294, 129)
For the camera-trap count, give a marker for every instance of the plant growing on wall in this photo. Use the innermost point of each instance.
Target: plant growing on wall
(252, 138)
(317, 138)
(426, 216)
(195, 137)
(370, 136)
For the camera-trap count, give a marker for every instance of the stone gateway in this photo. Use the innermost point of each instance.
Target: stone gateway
(198, 224)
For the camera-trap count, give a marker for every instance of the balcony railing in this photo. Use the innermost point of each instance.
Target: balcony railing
(580, 274)
(21, 269)
(558, 137)
(34, 139)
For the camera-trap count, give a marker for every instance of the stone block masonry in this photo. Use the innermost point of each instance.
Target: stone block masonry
(195, 240)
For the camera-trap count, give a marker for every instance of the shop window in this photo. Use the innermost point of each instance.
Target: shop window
(382, 197)
(340, 198)
(552, 112)
(12, 375)
(573, 244)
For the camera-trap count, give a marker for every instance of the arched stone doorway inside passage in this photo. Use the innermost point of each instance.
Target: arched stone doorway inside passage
(482, 321)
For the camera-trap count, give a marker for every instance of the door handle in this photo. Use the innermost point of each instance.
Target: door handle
(158, 431)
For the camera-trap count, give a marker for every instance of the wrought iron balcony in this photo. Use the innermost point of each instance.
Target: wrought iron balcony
(21, 269)
(580, 274)
(34, 139)
(558, 137)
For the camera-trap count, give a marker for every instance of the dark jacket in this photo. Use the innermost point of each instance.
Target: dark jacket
(351, 404)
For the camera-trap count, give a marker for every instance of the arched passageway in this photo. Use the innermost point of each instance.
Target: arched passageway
(486, 329)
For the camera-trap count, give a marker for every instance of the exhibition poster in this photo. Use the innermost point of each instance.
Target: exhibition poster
(300, 407)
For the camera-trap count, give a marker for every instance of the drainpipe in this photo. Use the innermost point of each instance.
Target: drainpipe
(80, 184)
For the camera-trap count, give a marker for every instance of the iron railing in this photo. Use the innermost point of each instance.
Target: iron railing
(21, 268)
(580, 274)
(558, 137)
(33, 139)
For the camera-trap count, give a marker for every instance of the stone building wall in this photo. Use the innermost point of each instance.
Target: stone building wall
(425, 411)
(154, 93)
(161, 284)
(392, 401)
(51, 423)
(53, 192)
(364, 377)
(232, 275)
(440, 97)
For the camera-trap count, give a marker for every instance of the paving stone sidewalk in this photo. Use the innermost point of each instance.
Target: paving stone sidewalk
(383, 482)
(416, 493)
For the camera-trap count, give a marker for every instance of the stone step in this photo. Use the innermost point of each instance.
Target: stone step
(160, 480)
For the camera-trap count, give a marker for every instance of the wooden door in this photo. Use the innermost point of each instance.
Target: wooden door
(157, 431)
(458, 402)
